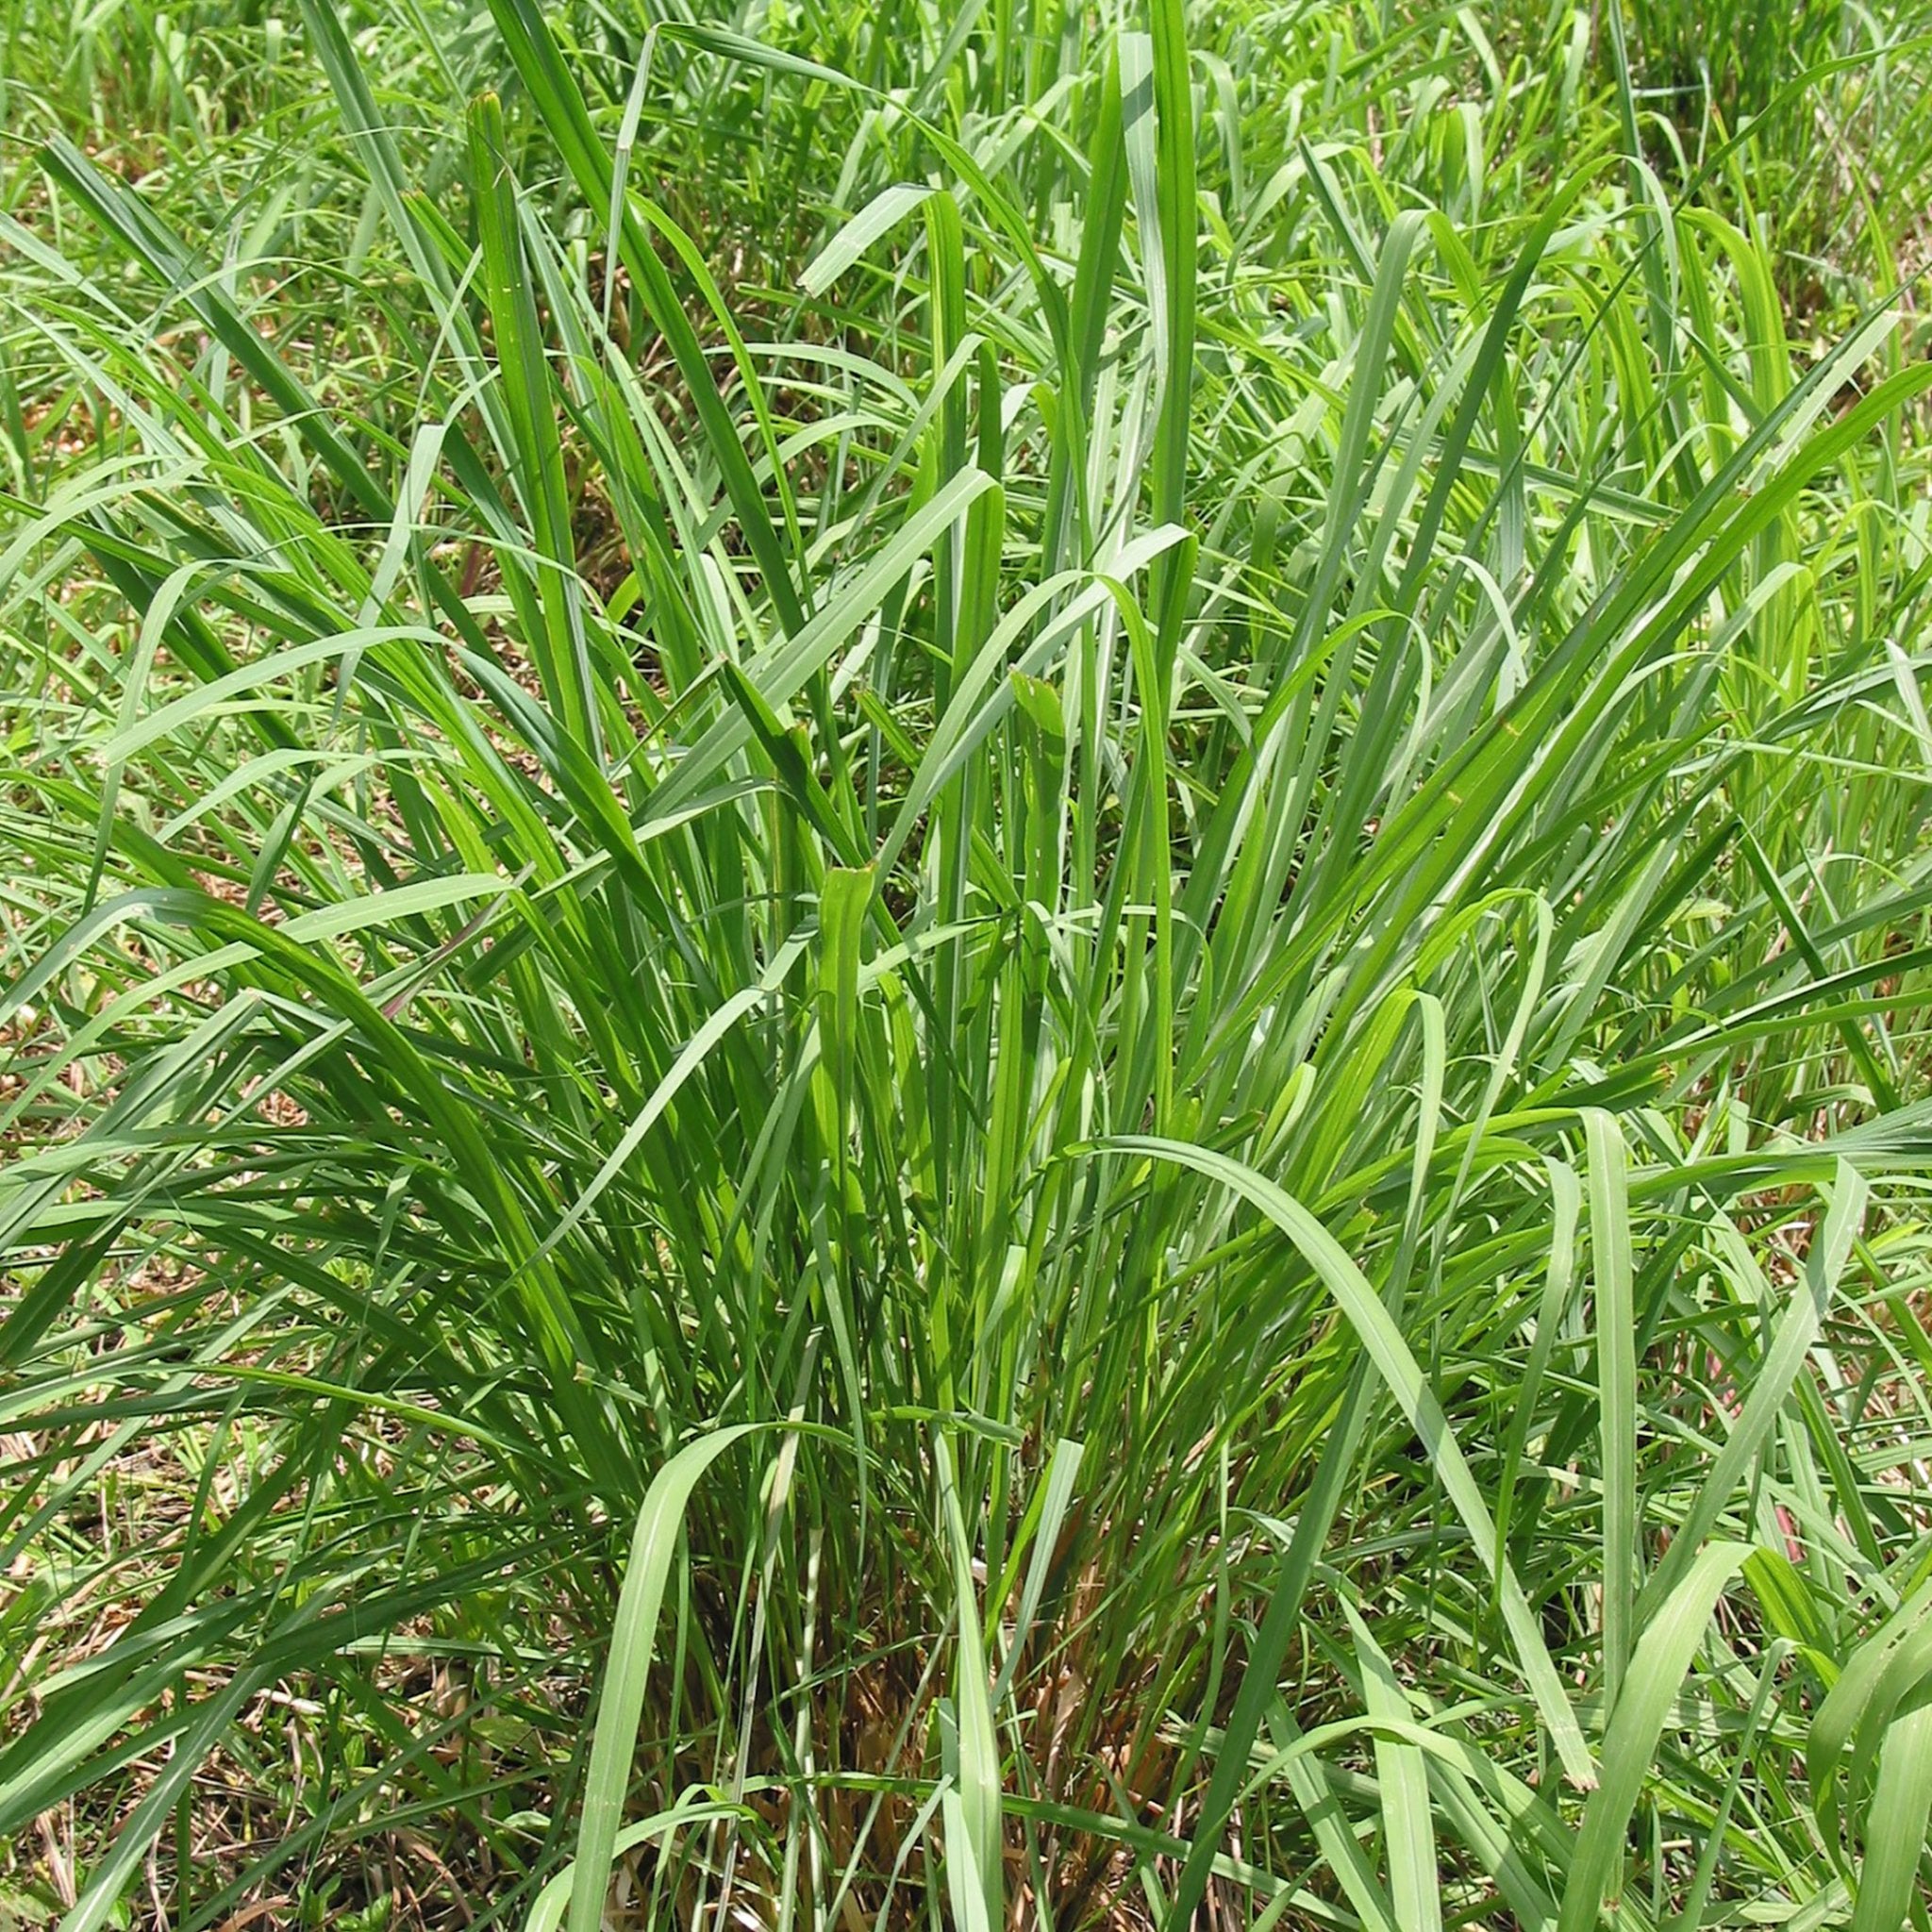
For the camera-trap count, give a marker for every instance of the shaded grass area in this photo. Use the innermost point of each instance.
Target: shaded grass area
(965, 968)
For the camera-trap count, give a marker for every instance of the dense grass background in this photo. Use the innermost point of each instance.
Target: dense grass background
(966, 965)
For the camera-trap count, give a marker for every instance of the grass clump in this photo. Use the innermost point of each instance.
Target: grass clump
(966, 968)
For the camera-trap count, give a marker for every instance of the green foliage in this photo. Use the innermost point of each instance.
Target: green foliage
(988, 942)
(1738, 52)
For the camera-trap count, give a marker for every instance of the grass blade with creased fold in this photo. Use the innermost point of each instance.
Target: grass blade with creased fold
(633, 1639)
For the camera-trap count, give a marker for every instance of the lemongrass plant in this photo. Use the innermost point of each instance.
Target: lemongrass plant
(1068, 1077)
